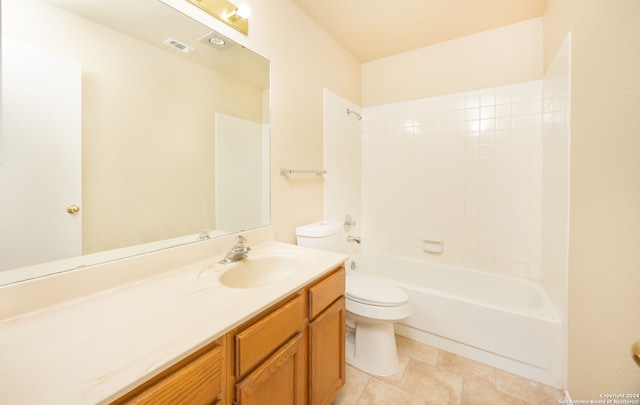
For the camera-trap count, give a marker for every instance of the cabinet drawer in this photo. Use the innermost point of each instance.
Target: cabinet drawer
(266, 335)
(325, 292)
(193, 381)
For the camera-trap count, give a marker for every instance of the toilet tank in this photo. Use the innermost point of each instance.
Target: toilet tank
(324, 235)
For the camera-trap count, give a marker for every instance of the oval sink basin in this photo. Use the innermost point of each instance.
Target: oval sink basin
(255, 272)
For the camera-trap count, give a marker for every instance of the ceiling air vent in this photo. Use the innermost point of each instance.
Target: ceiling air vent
(182, 47)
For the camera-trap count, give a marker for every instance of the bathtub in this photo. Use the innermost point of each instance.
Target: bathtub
(502, 321)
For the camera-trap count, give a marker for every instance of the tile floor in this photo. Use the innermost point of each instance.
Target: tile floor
(429, 376)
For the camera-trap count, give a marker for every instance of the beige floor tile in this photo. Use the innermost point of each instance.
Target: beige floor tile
(380, 393)
(468, 369)
(419, 351)
(436, 386)
(531, 391)
(355, 383)
(474, 393)
(395, 378)
(430, 376)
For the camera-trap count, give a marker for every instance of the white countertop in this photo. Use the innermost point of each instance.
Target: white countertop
(94, 348)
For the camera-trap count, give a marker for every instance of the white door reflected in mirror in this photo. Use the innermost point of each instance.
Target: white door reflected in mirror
(41, 170)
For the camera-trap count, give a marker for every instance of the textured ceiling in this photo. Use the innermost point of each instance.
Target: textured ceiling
(374, 29)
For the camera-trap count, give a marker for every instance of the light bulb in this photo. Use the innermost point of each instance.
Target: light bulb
(243, 11)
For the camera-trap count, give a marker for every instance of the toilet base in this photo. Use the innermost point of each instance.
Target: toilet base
(371, 347)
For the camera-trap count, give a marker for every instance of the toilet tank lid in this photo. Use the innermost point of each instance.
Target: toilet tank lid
(319, 229)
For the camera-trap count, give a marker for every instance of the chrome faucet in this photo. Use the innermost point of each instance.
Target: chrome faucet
(238, 252)
(355, 239)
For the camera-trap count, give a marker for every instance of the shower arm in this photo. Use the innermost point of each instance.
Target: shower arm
(355, 114)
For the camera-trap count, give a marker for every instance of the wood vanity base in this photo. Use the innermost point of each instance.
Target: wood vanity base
(291, 353)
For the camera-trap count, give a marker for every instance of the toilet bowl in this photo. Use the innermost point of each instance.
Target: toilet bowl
(372, 305)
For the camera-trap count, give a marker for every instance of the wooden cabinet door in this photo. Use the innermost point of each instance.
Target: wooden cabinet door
(326, 354)
(280, 379)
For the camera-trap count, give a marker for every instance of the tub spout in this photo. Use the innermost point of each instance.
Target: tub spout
(355, 239)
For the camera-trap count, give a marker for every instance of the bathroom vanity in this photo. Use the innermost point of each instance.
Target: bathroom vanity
(278, 355)
(182, 335)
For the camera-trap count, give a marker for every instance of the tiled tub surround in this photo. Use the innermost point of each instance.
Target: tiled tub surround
(91, 335)
(463, 168)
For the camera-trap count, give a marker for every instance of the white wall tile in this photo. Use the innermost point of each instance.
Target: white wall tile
(465, 168)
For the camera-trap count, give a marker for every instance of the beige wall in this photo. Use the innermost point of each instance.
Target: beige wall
(604, 233)
(304, 61)
(506, 55)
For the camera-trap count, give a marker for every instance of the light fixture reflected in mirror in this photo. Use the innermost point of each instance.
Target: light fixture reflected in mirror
(234, 16)
(216, 40)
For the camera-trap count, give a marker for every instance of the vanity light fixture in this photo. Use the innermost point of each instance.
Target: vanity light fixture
(236, 17)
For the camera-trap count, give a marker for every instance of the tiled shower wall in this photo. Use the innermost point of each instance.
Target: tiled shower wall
(464, 169)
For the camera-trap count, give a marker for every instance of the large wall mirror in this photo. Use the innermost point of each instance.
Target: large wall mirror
(127, 128)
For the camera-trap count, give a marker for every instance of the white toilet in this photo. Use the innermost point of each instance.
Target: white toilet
(373, 305)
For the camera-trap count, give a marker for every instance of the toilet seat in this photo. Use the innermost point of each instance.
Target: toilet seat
(370, 290)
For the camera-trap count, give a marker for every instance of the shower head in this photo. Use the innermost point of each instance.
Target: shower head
(355, 114)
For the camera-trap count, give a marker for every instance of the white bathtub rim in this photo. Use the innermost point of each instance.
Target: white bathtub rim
(546, 312)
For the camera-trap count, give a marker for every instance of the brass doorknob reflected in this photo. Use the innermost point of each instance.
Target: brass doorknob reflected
(73, 209)
(636, 349)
